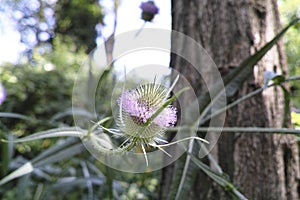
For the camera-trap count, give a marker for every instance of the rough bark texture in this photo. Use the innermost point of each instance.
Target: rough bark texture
(262, 166)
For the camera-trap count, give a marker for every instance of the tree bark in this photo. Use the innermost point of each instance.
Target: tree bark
(261, 166)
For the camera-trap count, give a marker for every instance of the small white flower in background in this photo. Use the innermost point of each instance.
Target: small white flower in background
(2, 94)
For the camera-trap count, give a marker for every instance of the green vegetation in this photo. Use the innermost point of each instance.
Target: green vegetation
(290, 9)
(41, 91)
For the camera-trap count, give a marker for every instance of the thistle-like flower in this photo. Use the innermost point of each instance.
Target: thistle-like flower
(140, 119)
(144, 115)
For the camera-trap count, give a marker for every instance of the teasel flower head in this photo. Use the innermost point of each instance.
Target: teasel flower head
(143, 116)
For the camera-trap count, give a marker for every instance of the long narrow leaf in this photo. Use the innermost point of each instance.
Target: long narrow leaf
(61, 155)
(243, 130)
(229, 187)
(71, 112)
(23, 170)
(89, 183)
(236, 102)
(24, 188)
(15, 115)
(239, 75)
(184, 178)
(58, 132)
(58, 147)
(286, 108)
(38, 192)
(56, 153)
(185, 170)
(294, 78)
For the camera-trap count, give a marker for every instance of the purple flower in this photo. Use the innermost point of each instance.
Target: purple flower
(140, 112)
(149, 7)
(167, 117)
(2, 94)
(140, 108)
(149, 10)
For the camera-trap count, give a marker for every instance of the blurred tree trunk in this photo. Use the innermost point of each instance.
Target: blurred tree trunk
(262, 166)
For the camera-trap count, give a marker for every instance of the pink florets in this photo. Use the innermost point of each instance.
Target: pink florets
(167, 117)
(129, 102)
(141, 111)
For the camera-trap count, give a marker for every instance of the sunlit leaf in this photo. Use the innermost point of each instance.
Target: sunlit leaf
(295, 118)
(21, 171)
(58, 152)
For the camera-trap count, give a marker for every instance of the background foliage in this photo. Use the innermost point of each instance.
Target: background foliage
(41, 86)
(290, 10)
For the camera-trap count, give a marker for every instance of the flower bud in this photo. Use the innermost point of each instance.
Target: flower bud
(149, 10)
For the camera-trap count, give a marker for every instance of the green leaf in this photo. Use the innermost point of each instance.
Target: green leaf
(294, 78)
(60, 151)
(218, 178)
(287, 100)
(186, 177)
(278, 79)
(58, 132)
(295, 118)
(239, 75)
(23, 187)
(15, 115)
(71, 112)
(60, 155)
(38, 192)
(254, 130)
(21, 171)
(183, 179)
(236, 102)
(59, 146)
(68, 183)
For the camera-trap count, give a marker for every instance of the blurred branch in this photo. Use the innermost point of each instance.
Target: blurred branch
(110, 41)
